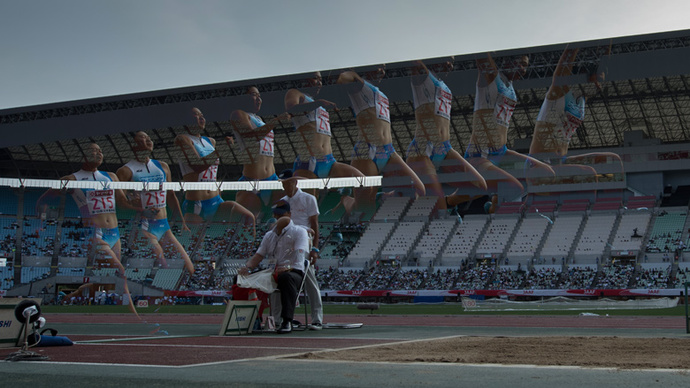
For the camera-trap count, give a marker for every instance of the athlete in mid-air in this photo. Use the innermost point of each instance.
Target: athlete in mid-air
(199, 163)
(154, 216)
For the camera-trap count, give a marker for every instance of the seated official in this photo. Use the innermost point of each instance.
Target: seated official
(286, 246)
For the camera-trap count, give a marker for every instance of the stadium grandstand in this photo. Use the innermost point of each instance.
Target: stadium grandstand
(624, 233)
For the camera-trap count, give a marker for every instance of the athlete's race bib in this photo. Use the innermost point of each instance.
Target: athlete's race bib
(210, 174)
(153, 199)
(100, 201)
(266, 145)
(443, 101)
(323, 123)
(505, 102)
(570, 125)
(504, 110)
(382, 108)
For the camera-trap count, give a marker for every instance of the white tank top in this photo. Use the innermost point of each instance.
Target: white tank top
(94, 201)
(264, 146)
(149, 172)
(500, 96)
(319, 116)
(369, 96)
(565, 113)
(203, 147)
(433, 90)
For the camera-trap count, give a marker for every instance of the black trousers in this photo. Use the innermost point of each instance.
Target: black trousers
(288, 284)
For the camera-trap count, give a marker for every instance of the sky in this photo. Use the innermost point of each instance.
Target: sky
(56, 51)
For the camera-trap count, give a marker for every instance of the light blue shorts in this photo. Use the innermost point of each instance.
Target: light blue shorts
(110, 236)
(205, 209)
(264, 195)
(435, 151)
(320, 166)
(155, 227)
(380, 155)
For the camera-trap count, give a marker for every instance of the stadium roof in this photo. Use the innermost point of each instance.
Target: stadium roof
(647, 88)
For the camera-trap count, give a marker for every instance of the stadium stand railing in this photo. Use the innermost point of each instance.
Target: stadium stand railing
(167, 278)
(402, 239)
(594, 238)
(392, 209)
(667, 231)
(370, 244)
(499, 232)
(30, 274)
(6, 278)
(528, 237)
(434, 239)
(463, 240)
(561, 237)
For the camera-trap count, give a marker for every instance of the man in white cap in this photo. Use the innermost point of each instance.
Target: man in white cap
(304, 211)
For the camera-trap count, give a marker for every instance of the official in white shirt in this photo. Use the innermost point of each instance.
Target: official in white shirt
(286, 245)
(305, 212)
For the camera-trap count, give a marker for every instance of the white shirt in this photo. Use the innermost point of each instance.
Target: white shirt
(500, 96)
(302, 206)
(369, 96)
(203, 147)
(90, 201)
(319, 115)
(152, 171)
(565, 114)
(287, 250)
(432, 90)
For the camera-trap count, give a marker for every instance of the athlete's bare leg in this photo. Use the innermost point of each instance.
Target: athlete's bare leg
(397, 167)
(470, 187)
(169, 240)
(112, 256)
(426, 171)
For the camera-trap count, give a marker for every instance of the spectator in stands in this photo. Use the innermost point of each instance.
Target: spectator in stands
(305, 212)
(97, 208)
(616, 276)
(254, 141)
(380, 278)
(202, 278)
(154, 216)
(430, 152)
(199, 163)
(442, 280)
(409, 279)
(314, 157)
(373, 152)
(288, 245)
(542, 278)
(475, 278)
(494, 104)
(506, 278)
(343, 280)
(559, 117)
(579, 278)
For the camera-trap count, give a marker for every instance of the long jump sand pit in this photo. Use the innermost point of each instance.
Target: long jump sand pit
(609, 352)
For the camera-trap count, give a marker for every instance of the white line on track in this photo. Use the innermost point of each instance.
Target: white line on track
(516, 366)
(444, 364)
(290, 357)
(201, 346)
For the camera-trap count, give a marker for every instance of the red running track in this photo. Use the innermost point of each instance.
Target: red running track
(180, 351)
